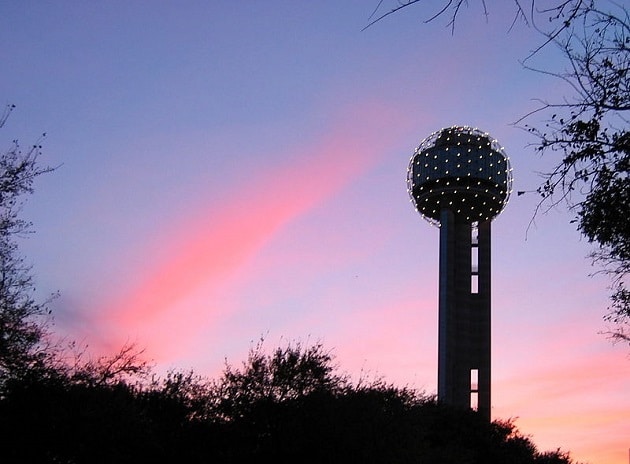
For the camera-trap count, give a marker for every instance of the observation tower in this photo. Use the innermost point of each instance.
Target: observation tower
(460, 179)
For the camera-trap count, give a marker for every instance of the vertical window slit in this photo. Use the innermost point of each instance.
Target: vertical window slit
(474, 389)
(474, 283)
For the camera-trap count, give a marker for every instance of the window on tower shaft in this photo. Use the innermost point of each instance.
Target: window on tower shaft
(474, 389)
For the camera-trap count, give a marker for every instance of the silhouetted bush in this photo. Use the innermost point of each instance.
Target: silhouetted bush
(289, 406)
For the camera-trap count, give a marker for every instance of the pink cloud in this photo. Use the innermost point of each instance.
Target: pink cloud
(206, 251)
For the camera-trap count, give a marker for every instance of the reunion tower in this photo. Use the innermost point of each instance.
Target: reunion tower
(459, 178)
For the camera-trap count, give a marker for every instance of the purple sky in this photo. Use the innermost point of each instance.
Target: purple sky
(232, 170)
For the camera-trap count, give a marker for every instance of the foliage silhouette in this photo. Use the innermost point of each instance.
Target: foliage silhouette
(590, 132)
(287, 406)
(24, 344)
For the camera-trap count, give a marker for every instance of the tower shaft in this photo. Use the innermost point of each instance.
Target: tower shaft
(464, 313)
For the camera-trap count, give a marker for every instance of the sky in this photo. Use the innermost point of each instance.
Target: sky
(228, 171)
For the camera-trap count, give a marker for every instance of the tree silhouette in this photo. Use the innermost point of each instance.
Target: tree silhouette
(292, 405)
(288, 406)
(23, 341)
(590, 132)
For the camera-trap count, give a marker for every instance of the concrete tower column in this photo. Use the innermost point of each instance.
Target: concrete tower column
(460, 179)
(464, 314)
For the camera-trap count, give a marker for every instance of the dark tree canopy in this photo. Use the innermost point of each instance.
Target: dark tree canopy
(589, 131)
(287, 406)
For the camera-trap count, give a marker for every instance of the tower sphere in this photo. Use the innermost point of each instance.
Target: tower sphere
(462, 169)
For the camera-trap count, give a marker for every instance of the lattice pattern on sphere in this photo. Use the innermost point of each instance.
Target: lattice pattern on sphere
(462, 169)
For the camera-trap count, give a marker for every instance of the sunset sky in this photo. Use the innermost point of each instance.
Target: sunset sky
(236, 170)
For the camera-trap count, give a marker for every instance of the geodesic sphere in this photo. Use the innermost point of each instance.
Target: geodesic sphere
(461, 169)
